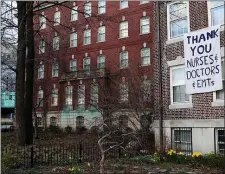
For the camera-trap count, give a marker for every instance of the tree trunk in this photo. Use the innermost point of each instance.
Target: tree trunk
(29, 74)
(20, 76)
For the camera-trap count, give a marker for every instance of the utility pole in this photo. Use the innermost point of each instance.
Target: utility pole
(159, 53)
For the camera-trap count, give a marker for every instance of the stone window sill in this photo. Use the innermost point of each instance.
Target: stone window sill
(181, 105)
(217, 103)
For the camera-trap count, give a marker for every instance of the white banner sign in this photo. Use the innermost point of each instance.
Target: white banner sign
(203, 61)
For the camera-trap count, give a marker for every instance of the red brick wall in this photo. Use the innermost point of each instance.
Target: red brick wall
(202, 108)
(111, 48)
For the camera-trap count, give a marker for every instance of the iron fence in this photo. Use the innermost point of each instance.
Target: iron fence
(65, 154)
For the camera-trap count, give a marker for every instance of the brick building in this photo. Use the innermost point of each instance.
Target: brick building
(190, 122)
(92, 59)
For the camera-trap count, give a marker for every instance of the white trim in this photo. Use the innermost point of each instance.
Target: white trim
(178, 61)
(216, 102)
(187, 104)
(210, 18)
(179, 38)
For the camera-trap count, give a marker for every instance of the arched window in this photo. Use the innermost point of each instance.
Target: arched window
(69, 95)
(101, 61)
(80, 121)
(54, 97)
(86, 63)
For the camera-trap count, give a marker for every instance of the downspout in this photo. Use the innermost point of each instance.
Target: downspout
(160, 76)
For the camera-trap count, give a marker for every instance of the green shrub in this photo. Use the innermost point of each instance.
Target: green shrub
(154, 159)
(81, 130)
(213, 160)
(8, 161)
(68, 129)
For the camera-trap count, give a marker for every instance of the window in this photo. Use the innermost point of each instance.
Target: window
(57, 18)
(87, 36)
(217, 12)
(220, 140)
(123, 29)
(178, 91)
(123, 121)
(124, 93)
(54, 97)
(56, 43)
(220, 93)
(55, 69)
(144, 1)
(81, 95)
(182, 140)
(145, 56)
(74, 14)
(73, 65)
(73, 39)
(39, 121)
(79, 121)
(41, 71)
(87, 9)
(101, 61)
(145, 25)
(42, 22)
(40, 98)
(42, 46)
(123, 4)
(124, 59)
(86, 63)
(101, 34)
(53, 121)
(101, 6)
(177, 18)
(69, 95)
(94, 94)
(146, 91)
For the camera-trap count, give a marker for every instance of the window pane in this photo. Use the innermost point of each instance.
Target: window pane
(217, 3)
(217, 15)
(178, 27)
(101, 6)
(179, 94)
(123, 3)
(178, 10)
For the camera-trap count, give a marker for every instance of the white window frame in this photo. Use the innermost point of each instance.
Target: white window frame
(217, 138)
(85, 64)
(56, 18)
(124, 92)
(74, 13)
(81, 95)
(42, 22)
(55, 69)
(209, 5)
(124, 30)
(41, 46)
(41, 69)
(54, 97)
(69, 95)
(101, 32)
(94, 94)
(101, 7)
(55, 43)
(149, 55)
(53, 121)
(100, 62)
(144, 1)
(40, 99)
(141, 20)
(73, 39)
(71, 67)
(87, 34)
(122, 59)
(177, 105)
(168, 21)
(123, 3)
(87, 9)
(218, 102)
